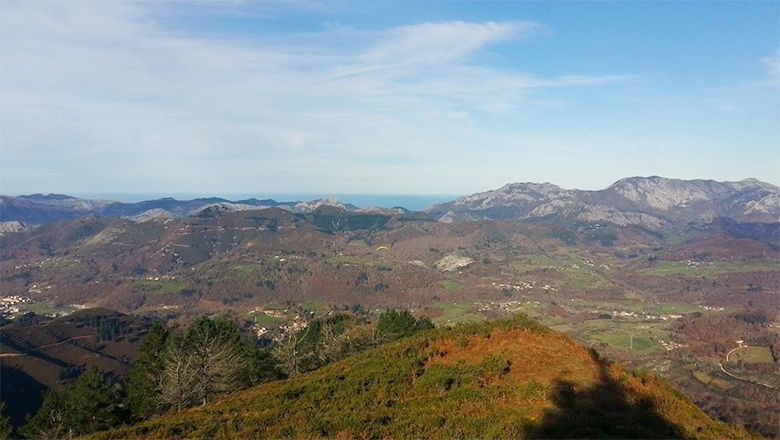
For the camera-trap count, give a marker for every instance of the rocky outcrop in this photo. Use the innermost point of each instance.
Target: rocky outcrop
(218, 209)
(453, 262)
(156, 215)
(13, 226)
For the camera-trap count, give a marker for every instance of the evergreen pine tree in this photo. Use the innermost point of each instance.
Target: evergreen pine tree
(143, 380)
(6, 429)
(88, 405)
(394, 324)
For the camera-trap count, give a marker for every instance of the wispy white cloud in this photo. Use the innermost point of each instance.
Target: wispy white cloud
(111, 90)
(772, 62)
(429, 44)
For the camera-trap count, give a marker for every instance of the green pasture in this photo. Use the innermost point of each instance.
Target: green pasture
(245, 269)
(46, 308)
(450, 286)
(639, 306)
(709, 269)
(584, 279)
(262, 318)
(707, 379)
(581, 277)
(636, 336)
(161, 286)
(752, 355)
(458, 312)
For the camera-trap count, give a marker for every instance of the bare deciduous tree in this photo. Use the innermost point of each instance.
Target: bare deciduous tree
(217, 365)
(290, 352)
(177, 379)
(57, 429)
(332, 344)
(200, 368)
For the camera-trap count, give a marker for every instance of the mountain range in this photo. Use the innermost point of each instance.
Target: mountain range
(26, 211)
(655, 203)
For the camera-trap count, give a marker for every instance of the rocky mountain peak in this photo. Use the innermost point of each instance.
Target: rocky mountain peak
(314, 204)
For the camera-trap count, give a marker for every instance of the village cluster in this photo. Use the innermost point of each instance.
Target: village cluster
(9, 305)
(504, 306)
(159, 278)
(691, 263)
(624, 314)
(516, 306)
(713, 309)
(523, 285)
(670, 345)
(528, 285)
(294, 324)
(46, 262)
(591, 263)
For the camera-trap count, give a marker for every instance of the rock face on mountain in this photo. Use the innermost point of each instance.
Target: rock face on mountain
(652, 202)
(153, 215)
(453, 262)
(13, 226)
(305, 207)
(217, 209)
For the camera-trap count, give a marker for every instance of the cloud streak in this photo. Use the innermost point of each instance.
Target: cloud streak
(772, 62)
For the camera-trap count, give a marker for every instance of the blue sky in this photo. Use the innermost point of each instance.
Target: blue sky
(383, 97)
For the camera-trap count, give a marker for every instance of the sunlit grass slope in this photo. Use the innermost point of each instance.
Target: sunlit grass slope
(501, 379)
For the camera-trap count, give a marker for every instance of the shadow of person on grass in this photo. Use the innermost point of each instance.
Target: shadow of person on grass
(602, 411)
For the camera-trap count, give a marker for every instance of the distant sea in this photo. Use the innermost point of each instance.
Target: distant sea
(414, 202)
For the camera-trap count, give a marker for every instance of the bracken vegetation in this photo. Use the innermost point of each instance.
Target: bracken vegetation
(180, 368)
(504, 379)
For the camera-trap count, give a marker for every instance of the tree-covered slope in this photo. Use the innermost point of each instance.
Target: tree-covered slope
(504, 379)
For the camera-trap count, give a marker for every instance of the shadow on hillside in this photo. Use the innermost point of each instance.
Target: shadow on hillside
(602, 411)
(21, 393)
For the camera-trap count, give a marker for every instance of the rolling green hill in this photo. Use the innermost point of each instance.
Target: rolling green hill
(502, 379)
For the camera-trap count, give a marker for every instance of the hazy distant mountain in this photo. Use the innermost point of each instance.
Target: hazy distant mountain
(652, 202)
(38, 196)
(38, 209)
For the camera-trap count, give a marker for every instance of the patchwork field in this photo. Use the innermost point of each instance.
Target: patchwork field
(709, 268)
(751, 354)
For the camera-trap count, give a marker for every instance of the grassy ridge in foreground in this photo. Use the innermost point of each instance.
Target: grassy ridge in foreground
(508, 378)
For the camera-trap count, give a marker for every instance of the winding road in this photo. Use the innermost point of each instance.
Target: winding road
(741, 378)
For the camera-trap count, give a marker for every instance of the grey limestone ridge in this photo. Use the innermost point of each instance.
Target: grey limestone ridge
(155, 214)
(651, 202)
